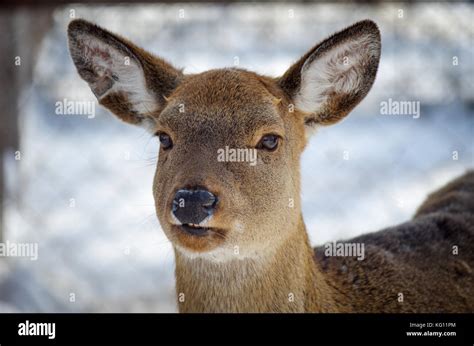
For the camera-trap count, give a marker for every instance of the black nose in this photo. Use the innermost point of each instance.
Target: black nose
(193, 206)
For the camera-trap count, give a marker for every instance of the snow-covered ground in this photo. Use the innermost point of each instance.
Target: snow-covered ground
(82, 189)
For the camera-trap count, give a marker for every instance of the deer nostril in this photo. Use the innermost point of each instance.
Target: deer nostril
(210, 202)
(193, 206)
(175, 205)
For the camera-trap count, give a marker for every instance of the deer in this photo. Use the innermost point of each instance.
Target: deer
(237, 230)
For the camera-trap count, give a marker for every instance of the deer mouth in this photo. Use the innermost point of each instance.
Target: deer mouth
(193, 229)
(196, 238)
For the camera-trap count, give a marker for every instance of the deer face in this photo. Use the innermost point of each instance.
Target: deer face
(228, 160)
(227, 180)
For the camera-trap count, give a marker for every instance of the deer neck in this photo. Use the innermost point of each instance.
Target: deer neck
(286, 280)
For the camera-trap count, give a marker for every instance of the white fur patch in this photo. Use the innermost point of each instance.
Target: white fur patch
(127, 73)
(218, 255)
(337, 70)
(203, 223)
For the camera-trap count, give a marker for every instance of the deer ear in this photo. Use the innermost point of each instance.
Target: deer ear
(130, 82)
(334, 76)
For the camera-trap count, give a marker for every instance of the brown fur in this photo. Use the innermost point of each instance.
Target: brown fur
(415, 258)
(259, 210)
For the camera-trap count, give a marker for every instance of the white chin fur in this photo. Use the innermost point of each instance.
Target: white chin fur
(218, 255)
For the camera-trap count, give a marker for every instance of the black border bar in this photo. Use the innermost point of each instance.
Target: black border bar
(261, 329)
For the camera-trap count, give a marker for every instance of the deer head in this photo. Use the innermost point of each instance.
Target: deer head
(209, 206)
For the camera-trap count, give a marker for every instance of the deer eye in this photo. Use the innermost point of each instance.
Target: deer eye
(165, 140)
(268, 142)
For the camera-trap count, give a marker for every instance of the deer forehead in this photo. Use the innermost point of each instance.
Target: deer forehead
(226, 98)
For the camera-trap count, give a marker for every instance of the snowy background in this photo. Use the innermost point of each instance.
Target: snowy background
(82, 189)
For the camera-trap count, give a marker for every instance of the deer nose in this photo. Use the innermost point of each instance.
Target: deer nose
(193, 206)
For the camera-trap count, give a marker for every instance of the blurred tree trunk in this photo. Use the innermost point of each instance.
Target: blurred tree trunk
(22, 33)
